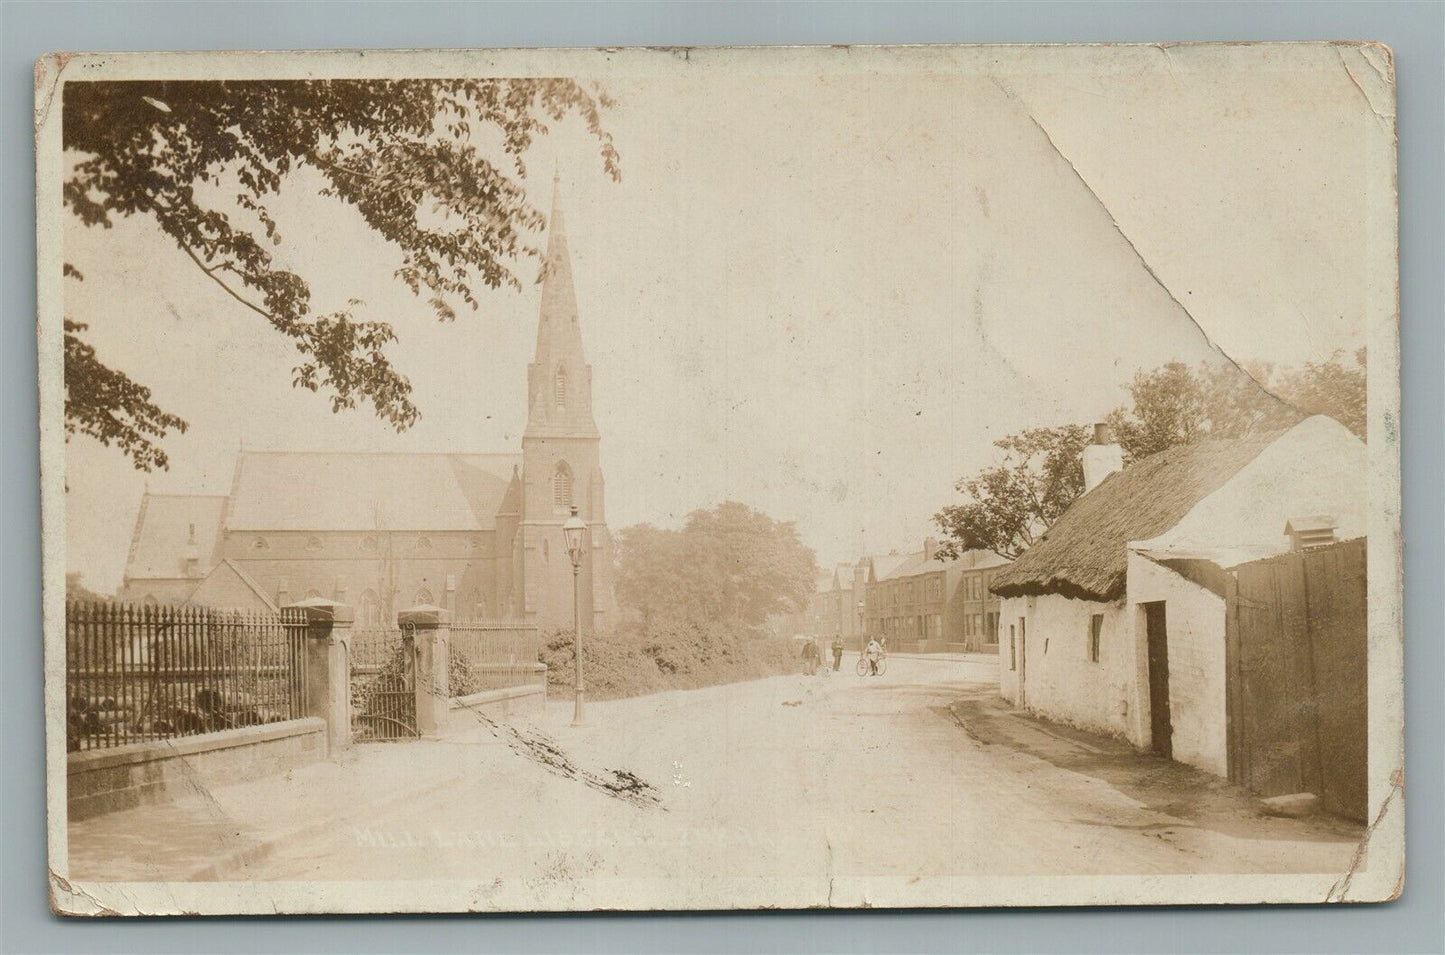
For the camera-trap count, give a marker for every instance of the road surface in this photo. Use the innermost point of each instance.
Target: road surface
(786, 789)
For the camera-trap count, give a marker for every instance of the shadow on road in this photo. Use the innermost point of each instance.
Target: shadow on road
(1187, 795)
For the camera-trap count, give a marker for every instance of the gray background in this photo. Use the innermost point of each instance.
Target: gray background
(1416, 31)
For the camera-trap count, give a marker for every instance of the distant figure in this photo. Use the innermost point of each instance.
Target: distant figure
(811, 657)
(837, 653)
(873, 652)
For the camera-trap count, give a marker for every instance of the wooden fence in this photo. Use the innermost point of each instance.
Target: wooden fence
(1295, 656)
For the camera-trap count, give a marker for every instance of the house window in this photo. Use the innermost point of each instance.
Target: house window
(977, 624)
(1013, 649)
(562, 486)
(193, 567)
(1096, 628)
(559, 390)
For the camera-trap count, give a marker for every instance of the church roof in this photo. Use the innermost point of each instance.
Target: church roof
(350, 491)
(162, 540)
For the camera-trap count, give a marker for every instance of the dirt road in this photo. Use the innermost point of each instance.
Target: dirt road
(796, 788)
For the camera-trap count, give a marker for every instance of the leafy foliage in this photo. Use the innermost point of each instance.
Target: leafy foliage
(403, 153)
(110, 407)
(1010, 504)
(1013, 502)
(1176, 404)
(729, 563)
(1335, 388)
(664, 655)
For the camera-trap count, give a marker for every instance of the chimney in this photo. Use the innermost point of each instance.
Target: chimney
(1102, 457)
(930, 547)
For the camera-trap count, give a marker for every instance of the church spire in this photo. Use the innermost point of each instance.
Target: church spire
(559, 379)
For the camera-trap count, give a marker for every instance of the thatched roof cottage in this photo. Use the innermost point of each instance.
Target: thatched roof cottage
(1111, 622)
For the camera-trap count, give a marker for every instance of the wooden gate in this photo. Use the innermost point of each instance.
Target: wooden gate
(1295, 660)
(383, 686)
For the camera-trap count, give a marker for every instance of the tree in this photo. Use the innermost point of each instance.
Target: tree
(206, 160)
(1175, 404)
(730, 563)
(1335, 388)
(1013, 502)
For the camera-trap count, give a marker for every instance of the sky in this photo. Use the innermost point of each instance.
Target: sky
(824, 294)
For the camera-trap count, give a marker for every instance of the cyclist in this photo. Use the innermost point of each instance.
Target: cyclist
(873, 653)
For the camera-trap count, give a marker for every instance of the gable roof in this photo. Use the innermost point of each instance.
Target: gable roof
(161, 542)
(917, 563)
(325, 491)
(882, 565)
(215, 587)
(1084, 554)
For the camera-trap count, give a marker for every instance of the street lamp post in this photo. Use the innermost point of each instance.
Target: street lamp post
(572, 532)
(862, 629)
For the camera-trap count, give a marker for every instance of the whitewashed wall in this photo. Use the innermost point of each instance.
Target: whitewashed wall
(1194, 621)
(1061, 682)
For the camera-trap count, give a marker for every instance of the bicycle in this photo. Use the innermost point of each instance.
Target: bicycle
(862, 668)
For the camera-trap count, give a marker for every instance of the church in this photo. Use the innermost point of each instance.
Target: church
(478, 534)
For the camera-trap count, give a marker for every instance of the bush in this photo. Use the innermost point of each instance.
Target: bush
(675, 655)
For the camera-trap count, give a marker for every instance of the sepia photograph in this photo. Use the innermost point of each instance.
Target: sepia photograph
(709, 479)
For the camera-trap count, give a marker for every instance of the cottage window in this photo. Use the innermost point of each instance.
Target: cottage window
(1013, 649)
(1096, 629)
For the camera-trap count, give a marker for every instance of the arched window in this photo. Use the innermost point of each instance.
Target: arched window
(368, 543)
(559, 389)
(313, 543)
(562, 485)
(370, 609)
(312, 592)
(423, 596)
(423, 543)
(259, 544)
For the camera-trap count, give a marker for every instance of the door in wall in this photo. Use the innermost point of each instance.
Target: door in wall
(1157, 636)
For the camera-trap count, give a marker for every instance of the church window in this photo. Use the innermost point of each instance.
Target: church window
(313, 543)
(312, 593)
(559, 389)
(423, 543)
(259, 544)
(562, 486)
(191, 536)
(370, 609)
(368, 543)
(423, 596)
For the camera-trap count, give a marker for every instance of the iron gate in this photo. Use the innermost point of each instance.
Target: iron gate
(383, 686)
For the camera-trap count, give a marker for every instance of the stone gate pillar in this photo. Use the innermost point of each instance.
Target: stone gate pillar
(329, 628)
(430, 627)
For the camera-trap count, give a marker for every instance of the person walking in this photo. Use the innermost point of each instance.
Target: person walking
(837, 653)
(811, 657)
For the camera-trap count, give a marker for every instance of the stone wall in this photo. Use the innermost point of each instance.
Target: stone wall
(106, 780)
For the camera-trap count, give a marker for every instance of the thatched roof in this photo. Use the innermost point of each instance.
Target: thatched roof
(1083, 555)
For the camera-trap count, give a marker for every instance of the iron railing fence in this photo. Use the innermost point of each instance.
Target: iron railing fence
(494, 655)
(383, 685)
(141, 673)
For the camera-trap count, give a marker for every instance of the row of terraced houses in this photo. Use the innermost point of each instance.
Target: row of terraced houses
(919, 601)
